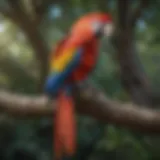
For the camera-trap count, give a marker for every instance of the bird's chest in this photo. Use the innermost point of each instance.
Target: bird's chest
(87, 62)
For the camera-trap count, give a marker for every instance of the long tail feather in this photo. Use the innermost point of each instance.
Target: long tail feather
(64, 138)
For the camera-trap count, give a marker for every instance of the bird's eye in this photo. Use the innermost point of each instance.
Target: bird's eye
(96, 26)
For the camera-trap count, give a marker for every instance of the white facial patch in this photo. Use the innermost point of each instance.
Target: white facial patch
(108, 29)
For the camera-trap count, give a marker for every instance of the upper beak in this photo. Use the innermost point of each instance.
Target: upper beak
(108, 29)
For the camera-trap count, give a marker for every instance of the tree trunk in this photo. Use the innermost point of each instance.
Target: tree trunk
(132, 74)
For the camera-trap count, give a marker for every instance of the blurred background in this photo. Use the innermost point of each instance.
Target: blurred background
(127, 70)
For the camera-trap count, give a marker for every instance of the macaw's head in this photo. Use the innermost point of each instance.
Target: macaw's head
(93, 25)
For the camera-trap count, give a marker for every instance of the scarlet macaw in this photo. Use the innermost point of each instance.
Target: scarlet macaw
(71, 62)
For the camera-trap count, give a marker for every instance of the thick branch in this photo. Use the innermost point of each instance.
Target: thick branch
(89, 102)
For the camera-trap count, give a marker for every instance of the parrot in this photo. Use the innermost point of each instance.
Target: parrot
(70, 63)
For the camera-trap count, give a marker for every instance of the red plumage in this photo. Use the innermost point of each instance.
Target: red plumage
(82, 36)
(87, 63)
(64, 133)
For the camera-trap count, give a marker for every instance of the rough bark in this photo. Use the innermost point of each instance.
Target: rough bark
(132, 74)
(90, 102)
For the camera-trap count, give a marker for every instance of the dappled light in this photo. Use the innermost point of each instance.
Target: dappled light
(116, 108)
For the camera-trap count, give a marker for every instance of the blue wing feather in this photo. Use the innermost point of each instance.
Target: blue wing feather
(55, 81)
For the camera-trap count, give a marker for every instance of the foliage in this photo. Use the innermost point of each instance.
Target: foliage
(32, 139)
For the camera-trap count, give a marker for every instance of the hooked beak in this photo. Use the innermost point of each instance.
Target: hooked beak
(108, 29)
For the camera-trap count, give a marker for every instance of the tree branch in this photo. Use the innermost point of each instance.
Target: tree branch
(34, 36)
(90, 102)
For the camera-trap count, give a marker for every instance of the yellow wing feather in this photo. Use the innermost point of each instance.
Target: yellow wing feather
(59, 63)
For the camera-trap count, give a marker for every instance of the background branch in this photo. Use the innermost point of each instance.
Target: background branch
(20, 17)
(132, 74)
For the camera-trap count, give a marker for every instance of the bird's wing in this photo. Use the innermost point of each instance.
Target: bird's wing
(62, 65)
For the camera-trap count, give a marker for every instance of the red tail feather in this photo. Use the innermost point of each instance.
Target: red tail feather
(64, 138)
